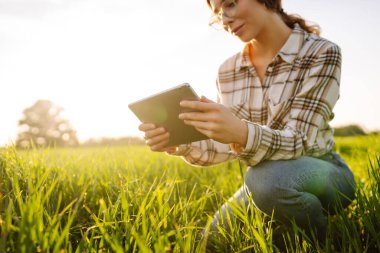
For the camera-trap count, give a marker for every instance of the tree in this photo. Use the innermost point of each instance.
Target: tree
(43, 126)
(349, 130)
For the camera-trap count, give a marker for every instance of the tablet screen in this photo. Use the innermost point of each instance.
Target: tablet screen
(163, 109)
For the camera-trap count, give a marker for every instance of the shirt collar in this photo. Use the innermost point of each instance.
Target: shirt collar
(288, 52)
(294, 44)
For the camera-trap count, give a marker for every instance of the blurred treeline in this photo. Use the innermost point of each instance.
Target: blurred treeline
(105, 141)
(42, 125)
(352, 130)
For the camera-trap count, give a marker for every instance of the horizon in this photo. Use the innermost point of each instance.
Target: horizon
(95, 57)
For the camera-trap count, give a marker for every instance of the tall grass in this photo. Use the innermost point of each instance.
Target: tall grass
(128, 199)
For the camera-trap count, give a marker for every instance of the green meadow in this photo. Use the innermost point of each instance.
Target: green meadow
(129, 199)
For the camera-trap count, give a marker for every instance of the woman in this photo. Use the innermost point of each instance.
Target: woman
(275, 101)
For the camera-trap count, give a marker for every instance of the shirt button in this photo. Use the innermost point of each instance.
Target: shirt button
(270, 69)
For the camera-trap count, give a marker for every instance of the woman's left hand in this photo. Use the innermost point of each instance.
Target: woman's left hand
(215, 121)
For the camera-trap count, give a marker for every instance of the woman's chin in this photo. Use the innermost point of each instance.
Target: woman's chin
(244, 39)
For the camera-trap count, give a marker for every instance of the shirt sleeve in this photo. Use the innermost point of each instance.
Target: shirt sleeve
(204, 153)
(309, 110)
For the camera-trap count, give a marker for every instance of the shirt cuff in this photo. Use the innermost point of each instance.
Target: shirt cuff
(237, 148)
(251, 136)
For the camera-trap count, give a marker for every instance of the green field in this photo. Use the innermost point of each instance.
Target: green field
(129, 199)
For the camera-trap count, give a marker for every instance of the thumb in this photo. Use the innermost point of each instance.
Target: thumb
(206, 100)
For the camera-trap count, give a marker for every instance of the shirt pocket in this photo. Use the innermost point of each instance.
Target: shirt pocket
(274, 108)
(282, 91)
(276, 100)
(278, 114)
(275, 93)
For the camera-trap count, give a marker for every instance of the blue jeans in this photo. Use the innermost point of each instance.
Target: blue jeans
(304, 190)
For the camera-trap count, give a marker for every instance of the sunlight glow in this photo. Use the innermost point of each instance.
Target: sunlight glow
(95, 57)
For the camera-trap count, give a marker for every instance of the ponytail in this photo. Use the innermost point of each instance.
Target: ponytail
(290, 19)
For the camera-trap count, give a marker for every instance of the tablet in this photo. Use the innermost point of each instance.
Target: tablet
(163, 109)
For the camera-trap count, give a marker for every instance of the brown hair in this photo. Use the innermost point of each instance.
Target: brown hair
(289, 19)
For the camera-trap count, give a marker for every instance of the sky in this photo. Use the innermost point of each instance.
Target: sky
(94, 57)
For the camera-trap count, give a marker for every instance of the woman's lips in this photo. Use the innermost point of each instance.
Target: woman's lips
(237, 30)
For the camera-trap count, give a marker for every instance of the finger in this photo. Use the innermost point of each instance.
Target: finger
(206, 132)
(158, 139)
(169, 150)
(204, 125)
(160, 146)
(152, 133)
(164, 149)
(198, 105)
(198, 116)
(206, 100)
(146, 127)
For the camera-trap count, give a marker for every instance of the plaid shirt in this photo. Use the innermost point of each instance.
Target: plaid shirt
(288, 114)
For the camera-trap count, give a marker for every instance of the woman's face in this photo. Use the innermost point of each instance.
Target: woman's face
(248, 20)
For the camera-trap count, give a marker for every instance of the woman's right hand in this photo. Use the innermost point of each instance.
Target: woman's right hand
(156, 138)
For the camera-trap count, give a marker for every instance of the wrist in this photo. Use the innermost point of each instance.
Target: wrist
(243, 134)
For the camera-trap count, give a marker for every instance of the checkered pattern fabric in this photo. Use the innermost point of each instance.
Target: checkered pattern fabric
(288, 114)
